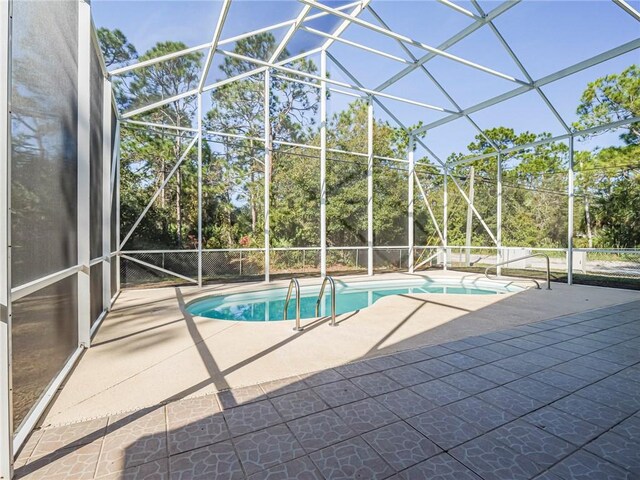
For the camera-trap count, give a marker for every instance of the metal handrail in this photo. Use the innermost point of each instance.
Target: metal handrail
(333, 299)
(486, 271)
(293, 283)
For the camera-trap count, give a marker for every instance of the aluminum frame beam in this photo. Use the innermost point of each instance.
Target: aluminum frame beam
(214, 43)
(628, 8)
(345, 24)
(558, 75)
(226, 41)
(415, 43)
(462, 34)
(6, 400)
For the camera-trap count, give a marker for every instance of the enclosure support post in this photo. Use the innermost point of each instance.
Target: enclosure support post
(445, 221)
(410, 226)
(6, 414)
(499, 216)
(571, 194)
(467, 252)
(323, 164)
(84, 172)
(370, 187)
(267, 172)
(117, 194)
(200, 190)
(106, 195)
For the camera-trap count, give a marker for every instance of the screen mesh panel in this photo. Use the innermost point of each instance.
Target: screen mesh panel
(96, 155)
(44, 335)
(44, 121)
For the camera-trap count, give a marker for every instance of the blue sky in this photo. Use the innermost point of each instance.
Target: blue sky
(545, 35)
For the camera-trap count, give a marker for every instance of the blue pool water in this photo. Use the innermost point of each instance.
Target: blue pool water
(268, 305)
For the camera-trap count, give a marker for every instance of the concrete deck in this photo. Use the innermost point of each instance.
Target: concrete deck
(552, 400)
(150, 350)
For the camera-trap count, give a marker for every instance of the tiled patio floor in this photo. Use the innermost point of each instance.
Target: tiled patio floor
(557, 399)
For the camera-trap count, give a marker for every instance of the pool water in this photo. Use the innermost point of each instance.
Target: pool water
(268, 305)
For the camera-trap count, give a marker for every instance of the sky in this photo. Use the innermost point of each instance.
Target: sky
(546, 36)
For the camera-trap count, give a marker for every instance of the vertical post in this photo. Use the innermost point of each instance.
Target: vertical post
(323, 164)
(499, 216)
(445, 220)
(410, 225)
(467, 255)
(84, 175)
(6, 414)
(106, 194)
(117, 194)
(200, 190)
(370, 187)
(571, 193)
(267, 172)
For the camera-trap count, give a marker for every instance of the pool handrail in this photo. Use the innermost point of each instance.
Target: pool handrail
(293, 283)
(486, 270)
(329, 279)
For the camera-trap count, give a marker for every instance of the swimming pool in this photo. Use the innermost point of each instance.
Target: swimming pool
(268, 305)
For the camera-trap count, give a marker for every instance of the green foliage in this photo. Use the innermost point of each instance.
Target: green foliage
(607, 190)
(611, 98)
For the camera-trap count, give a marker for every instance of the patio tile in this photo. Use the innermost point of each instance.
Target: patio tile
(405, 403)
(440, 467)
(563, 425)
(537, 390)
(407, 375)
(583, 465)
(384, 363)
(299, 469)
(484, 354)
(468, 382)
(617, 449)
(589, 411)
(509, 348)
(630, 428)
(351, 459)
(251, 417)
(194, 423)
(355, 369)
(240, 396)
(411, 356)
(598, 364)
(365, 415)
(518, 365)
(320, 430)
(461, 361)
(67, 436)
(555, 352)
(276, 388)
(156, 470)
(322, 377)
(435, 351)
(479, 341)
(339, 393)
(588, 374)
(457, 345)
(217, 461)
(298, 404)
(376, 383)
(511, 401)
(561, 380)
(436, 367)
(537, 445)
(478, 413)
(439, 392)
(444, 428)
(620, 384)
(493, 460)
(133, 439)
(612, 398)
(400, 445)
(272, 446)
(76, 462)
(497, 375)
